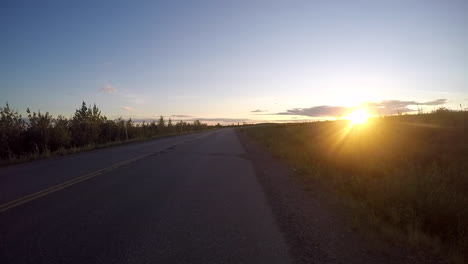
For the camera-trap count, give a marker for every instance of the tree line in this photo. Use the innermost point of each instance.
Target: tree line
(42, 133)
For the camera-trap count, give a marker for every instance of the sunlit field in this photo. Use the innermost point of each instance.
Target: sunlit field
(405, 175)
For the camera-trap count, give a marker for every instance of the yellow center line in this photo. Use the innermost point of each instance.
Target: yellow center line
(66, 184)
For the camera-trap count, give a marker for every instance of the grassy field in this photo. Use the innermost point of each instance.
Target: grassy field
(406, 176)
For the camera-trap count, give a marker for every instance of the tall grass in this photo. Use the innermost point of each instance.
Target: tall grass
(409, 173)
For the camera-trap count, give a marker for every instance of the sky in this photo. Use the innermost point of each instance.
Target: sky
(233, 61)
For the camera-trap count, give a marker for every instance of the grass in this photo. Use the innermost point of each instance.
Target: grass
(406, 176)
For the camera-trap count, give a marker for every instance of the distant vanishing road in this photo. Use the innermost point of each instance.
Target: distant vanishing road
(186, 199)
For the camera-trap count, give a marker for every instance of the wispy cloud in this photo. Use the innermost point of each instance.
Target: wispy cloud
(388, 107)
(436, 102)
(385, 107)
(214, 120)
(225, 120)
(128, 108)
(108, 89)
(258, 111)
(125, 95)
(318, 111)
(133, 98)
(181, 116)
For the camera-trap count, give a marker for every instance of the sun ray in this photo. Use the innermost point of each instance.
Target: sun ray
(358, 116)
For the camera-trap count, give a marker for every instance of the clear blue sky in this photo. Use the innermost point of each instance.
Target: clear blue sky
(224, 59)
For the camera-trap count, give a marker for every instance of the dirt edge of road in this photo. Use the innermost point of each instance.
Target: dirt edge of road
(315, 227)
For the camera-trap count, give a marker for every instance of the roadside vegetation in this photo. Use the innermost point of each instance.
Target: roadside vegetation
(405, 176)
(40, 135)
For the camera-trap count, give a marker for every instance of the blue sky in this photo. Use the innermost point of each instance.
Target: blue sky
(225, 59)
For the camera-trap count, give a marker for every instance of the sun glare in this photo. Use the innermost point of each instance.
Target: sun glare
(358, 116)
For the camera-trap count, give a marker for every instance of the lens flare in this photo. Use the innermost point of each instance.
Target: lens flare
(358, 116)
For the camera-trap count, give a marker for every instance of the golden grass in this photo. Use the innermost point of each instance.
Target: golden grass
(405, 174)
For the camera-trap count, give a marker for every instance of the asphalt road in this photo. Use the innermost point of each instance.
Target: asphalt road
(186, 199)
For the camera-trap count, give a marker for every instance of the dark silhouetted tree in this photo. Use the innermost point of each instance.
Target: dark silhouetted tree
(42, 133)
(161, 125)
(170, 126)
(60, 134)
(11, 133)
(85, 125)
(39, 131)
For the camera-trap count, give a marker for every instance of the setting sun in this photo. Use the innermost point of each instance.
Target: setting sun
(358, 116)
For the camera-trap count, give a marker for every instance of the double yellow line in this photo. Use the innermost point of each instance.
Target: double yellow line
(71, 182)
(66, 184)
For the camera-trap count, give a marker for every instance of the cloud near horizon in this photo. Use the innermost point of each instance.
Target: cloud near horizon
(181, 116)
(191, 119)
(385, 107)
(258, 111)
(389, 107)
(224, 120)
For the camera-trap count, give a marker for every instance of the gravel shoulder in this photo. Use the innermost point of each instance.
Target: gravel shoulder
(315, 227)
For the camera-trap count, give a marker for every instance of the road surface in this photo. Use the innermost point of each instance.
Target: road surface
(186, 199)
